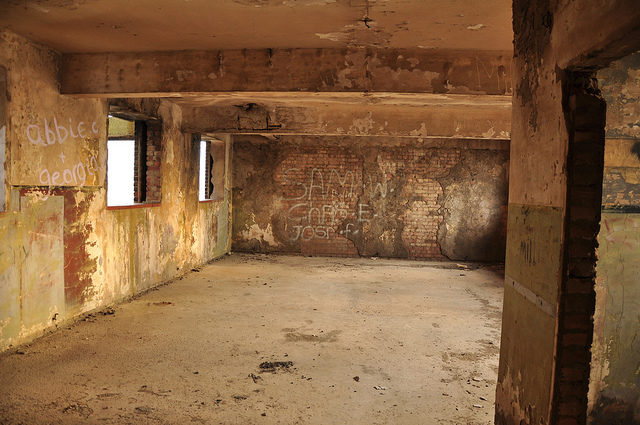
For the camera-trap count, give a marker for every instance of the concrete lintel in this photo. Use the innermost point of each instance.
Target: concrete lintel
(457, 120)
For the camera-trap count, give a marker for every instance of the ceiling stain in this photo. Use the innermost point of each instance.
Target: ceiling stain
(476, 27)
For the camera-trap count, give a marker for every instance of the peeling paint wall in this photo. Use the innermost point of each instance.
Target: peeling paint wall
(370, 197)
(614, 392)
(63, 251)
(620, 84)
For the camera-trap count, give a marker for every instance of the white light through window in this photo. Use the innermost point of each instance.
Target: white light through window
(120, 165)
(202, 192)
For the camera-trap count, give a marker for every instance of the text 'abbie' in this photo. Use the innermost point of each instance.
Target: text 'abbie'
(54, 132)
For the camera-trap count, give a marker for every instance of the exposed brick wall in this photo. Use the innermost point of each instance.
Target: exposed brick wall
(423, 218)
(321, 191)
(147, 175)
(347, 201)
(585, 115)
(140, 163)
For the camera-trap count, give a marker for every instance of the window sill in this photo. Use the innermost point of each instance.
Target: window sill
(207, 201)
(127, 207)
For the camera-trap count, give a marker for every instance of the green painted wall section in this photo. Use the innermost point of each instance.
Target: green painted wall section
(533, 262)
(31, 268)
(534, 248)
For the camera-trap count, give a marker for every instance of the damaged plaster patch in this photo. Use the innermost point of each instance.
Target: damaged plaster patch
(362, 125)
(184, 75)
(4, 324)
(333, 36)
(476, 27)
(422, 131)
(473, 203)
(403, 72)
(263, 235)
(489, 133)
(358, 35)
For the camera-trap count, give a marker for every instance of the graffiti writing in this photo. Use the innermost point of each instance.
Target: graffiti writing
(75, 171)
(334, 184)
(54, 132)
(325, 203)
(76, 175)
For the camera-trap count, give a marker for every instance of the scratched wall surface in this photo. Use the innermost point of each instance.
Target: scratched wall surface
(355, 196)
(63, 251)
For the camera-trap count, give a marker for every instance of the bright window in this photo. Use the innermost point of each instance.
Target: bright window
(202, 190)
(120, 172)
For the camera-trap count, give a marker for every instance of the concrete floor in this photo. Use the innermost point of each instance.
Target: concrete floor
(370, 341)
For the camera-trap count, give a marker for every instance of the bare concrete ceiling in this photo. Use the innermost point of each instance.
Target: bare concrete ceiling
(154, 25)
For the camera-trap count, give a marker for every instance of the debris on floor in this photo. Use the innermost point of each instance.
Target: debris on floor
(274, 366)
(143, 410)
(81, 409)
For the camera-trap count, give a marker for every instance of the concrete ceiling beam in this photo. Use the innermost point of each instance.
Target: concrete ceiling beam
(162, 74)
(481, 119)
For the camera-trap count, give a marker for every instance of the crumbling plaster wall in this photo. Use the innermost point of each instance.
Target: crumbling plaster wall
(550, 38)
(614, 393)
(63, 251)
(370, 196)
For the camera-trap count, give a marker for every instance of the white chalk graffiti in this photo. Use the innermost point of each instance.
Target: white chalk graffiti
(327, 200)
(58, 133)
(335, 183)
(54, 132)
(380, 188)
(74, 176)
